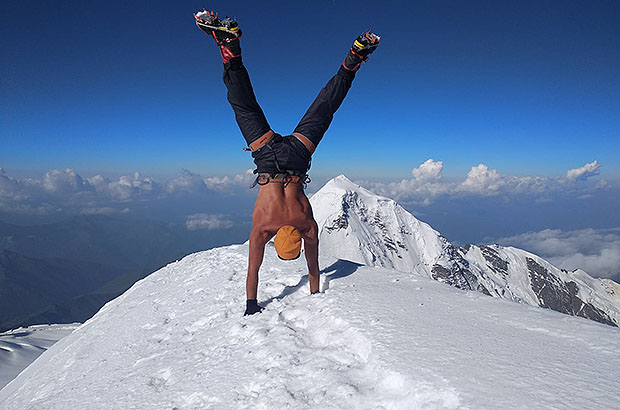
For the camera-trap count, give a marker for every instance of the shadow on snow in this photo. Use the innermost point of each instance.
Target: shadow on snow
(338, 270)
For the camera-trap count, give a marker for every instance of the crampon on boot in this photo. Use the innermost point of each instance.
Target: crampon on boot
(362, 47)
(226, 33)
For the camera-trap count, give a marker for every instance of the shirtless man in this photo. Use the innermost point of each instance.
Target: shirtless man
(282, 208)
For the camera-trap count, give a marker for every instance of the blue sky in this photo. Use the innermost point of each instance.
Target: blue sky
(491, 120)
(528, 88)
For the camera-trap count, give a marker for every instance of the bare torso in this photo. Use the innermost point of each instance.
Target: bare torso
(278, 205)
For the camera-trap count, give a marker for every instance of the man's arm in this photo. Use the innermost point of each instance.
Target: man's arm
(311, 248)
(258, 240)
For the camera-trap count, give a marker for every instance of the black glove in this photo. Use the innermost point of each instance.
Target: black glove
(252, 307)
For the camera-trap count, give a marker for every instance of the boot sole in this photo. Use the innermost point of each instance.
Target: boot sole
(234, 30)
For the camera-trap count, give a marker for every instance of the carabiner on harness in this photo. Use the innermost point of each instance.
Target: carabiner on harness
(282, 178)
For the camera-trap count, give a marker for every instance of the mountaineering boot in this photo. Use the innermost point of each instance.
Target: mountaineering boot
(225, 32)
(363, 46)
(252, 307)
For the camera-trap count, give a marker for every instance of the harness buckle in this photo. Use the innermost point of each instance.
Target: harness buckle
(282, 178)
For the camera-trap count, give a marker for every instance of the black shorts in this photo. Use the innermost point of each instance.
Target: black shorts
(282, 154)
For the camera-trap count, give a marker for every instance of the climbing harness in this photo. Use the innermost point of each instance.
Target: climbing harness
(285, 178)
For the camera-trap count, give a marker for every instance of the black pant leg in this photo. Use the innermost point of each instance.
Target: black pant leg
(249, 115)
(315, 122)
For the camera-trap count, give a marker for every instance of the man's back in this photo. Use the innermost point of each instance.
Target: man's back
(282, 204)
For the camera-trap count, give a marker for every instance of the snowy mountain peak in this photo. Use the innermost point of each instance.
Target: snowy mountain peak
(341, 179)
(358, 225)
(523, 277)
(366, 228)
(342, 184)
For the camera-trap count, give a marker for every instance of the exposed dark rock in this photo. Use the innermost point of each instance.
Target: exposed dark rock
(378, 222)
(494, 261)
(458, 273)
(563, 297)
(444, 275)
(550, 290)
(342, 222)
(389, 243)
(587, 310)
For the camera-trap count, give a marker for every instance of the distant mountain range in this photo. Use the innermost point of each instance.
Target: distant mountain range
(362, 227)
(29, 285)
(65, 271)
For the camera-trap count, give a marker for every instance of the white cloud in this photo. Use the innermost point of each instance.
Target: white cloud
(65, 182)
(481, 179)
(208, 222)
(226, 183)
(427, 184)
(126, 188)
(187, 181)
(66, 191)
(428, 171)
(98, 211)
(584, 172)
(11, 189)
(596, 251)
(98, 181)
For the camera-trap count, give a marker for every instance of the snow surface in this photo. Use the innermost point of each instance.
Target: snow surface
(19, 347)
(375, 338)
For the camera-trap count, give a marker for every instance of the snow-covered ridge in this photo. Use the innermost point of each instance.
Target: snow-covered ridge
(524, 277)
(357, 225)
(375, 338)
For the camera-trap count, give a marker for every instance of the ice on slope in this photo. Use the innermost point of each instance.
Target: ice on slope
(374, 339)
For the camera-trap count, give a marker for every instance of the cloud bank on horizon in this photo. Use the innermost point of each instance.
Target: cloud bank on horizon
(592, 250)
(427, 184)
(209, 222)
(66, 190)
(67, 193)
(219, 203)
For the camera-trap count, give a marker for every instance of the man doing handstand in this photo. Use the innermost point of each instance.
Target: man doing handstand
(282, 208)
